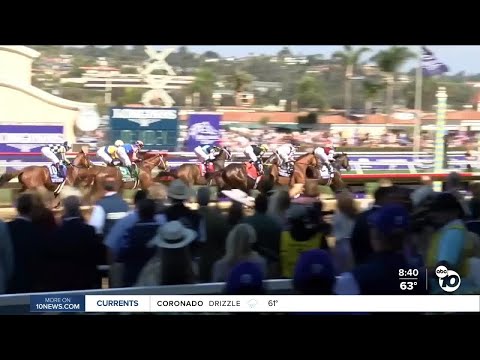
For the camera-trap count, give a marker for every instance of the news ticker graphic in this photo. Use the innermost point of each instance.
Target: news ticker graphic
(46, 303)
(262, 303)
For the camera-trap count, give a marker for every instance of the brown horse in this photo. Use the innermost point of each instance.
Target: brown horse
(308, 167)
(143, 181)
(191, 173)
(38, 177)
(336, 183)
(242, 176)
(300, 167)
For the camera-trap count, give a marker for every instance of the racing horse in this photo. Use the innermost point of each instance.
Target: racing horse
(191, 174)
(242, 176)
(300, 168)
(336, 183)
(39, 178)
(308, 167)
(143, 181)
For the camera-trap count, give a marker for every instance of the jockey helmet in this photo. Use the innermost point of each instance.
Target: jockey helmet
(295, 143)
(264, 147)
(139, 143)
(119, 143)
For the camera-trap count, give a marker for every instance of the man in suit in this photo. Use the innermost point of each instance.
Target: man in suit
(6, 257)
(26, 247)
(73, 253)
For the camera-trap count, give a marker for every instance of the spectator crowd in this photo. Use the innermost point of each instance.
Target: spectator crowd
(162, 241)
(237, 138)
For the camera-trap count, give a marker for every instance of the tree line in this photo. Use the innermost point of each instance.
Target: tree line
(339, 81)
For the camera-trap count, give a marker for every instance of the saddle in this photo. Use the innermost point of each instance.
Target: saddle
(126, 176)
(252, 171)
(206, 168)
(55, 175)
(324, 173)
(286, 170)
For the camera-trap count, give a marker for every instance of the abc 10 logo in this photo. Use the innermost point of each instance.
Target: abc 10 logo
(448, 280)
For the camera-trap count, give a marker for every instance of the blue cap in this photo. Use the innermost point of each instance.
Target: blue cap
(246, 276)
(389, 218)
(314, 265)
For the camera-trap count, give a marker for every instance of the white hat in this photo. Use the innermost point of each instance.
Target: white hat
(178, 190)
(173, 235)
(240, 196)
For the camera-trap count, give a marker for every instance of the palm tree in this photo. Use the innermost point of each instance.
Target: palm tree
(239, 81)
(203, 85)
(371, 90)
(389, 62)
(349, 58)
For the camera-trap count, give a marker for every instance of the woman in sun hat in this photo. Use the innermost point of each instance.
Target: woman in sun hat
(178, 194)
(172, 264)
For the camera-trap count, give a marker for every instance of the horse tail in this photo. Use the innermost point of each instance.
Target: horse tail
(6, 177)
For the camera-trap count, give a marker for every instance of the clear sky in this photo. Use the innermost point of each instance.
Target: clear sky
(458, 58)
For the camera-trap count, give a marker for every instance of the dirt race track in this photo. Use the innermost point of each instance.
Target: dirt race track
(8, 213)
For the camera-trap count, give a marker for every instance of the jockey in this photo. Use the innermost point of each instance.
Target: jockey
(206, 153)
(325, 156)
(128, 153)
(286, 152)
(56, 154)
(109, 153)
(255, 153)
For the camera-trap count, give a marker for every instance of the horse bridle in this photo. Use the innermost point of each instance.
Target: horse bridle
(89, 164)
(164, 162)
(229, 154)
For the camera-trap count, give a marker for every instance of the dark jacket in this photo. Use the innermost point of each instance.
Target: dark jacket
(28, 250)
(215, 230)
(360, 238)
(115, 207)
(72, 256)
(135, 252)
(189, 219)
(268, 236)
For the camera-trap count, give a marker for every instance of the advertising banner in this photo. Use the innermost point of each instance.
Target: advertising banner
(203, 128)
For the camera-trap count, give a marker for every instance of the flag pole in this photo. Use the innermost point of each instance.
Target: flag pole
(418, 107)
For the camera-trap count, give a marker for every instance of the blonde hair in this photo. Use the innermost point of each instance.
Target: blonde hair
(385, 183)
(158, 192)
(238, 243)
